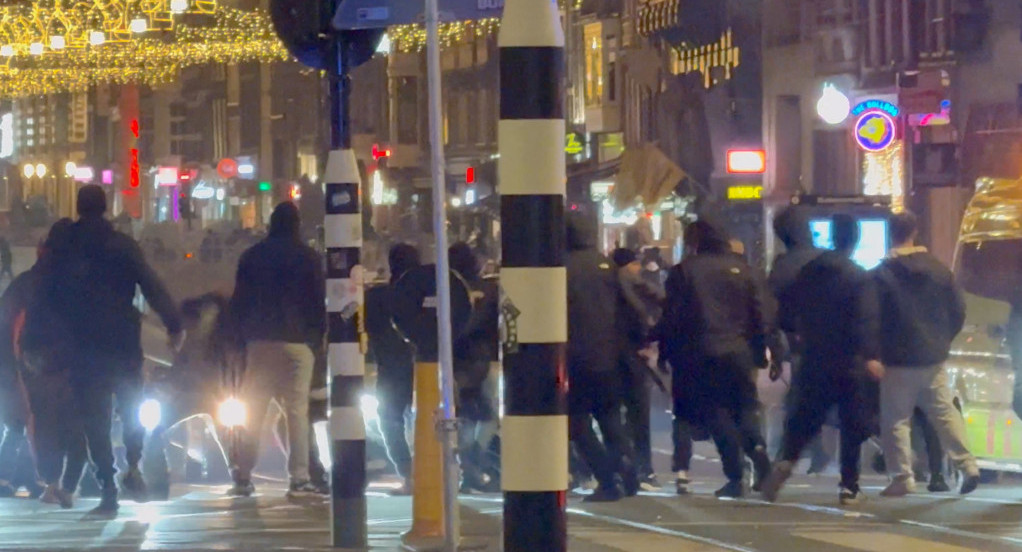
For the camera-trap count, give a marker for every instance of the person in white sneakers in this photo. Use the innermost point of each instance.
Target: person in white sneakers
(922, 310)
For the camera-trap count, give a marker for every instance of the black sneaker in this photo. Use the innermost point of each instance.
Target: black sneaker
(302, 489)
(108, 505)
(937, 484)
(243, 488)
(733, 489)
(604, 494)
(681, 482)
(771, 486)
(849, 497)
(969, 482)
(134, 485)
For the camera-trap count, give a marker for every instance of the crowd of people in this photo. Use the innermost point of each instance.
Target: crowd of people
(708, 324)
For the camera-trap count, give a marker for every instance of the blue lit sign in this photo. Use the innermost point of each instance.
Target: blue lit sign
(875, 130)
(875, 105)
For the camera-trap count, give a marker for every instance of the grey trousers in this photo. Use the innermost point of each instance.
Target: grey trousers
(275, 370)
(901, 391)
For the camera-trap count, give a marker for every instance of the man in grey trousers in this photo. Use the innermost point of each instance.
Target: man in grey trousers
(922, 310)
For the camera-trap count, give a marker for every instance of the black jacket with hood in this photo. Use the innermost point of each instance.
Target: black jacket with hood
(592, 301)
(832, 306)
(921, 307)
(715, 305)
(792, 228)
(279, 294)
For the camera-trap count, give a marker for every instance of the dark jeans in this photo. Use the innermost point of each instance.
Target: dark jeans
(394, 393)
(681, 435)
(823, 387)
(732, 415)
(593, 398)
(637, 404)
(98, 380)
(934, 452)
(58, 430)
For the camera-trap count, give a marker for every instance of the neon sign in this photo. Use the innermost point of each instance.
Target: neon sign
(875, 105)
(875, 130)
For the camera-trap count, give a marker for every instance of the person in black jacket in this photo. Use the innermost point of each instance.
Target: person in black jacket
(922, 310)
(395, 363)
(475, 352)
(279, 309)
(792, 228)
(832, 306)
(713, 332)
(594, 383)
(88, 292)
(639, 304)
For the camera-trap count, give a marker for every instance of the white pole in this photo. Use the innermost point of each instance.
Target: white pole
(448, 427)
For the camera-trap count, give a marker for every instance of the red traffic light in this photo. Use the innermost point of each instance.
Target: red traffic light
(470, 175)
(380, 153)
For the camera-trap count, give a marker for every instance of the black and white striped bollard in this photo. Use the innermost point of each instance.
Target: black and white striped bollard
(531, 168)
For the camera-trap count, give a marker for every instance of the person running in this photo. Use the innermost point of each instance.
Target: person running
(395, 364)
(922, 310)
(713, 332)
(832, 307)
(89, 290)
(279, 308)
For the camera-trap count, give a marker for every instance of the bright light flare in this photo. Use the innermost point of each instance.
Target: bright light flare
(40, 170)
(7, 50)
(178, 6)
(833, 106)
(150, 414)
(139, 25)
(746, 161)
(97, 38)
(36, 48)
(57, 42)
(232, 413)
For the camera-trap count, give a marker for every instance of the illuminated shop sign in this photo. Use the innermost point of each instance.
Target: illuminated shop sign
(875, 131)
(875, 105)
(745, 192)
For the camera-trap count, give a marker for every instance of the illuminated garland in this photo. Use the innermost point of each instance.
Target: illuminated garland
(234, 36)
(412, 38)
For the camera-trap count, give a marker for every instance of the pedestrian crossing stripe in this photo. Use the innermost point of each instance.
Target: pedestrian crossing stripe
(877, 541)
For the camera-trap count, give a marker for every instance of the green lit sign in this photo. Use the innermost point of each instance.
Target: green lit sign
(573, 144)
(265, 186)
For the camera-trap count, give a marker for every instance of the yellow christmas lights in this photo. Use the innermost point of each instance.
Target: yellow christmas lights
(211, 35)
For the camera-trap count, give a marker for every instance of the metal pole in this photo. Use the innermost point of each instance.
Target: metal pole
(345, 311)
(447, 426)
(534, 431)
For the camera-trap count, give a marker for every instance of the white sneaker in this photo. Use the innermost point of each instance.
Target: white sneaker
(848, 497)
(681, 482)
(900, 486)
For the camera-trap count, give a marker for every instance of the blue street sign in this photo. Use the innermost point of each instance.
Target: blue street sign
(375, 14)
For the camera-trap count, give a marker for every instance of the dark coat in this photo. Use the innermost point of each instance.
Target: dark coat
(592, 304)
(922, 309)
(279, 295)
(476, 347)
(394, 356)
(832, 306)
(89, 288)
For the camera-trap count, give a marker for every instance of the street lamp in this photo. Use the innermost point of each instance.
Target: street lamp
(40, 170)
(69, 168)
(833, 106)
(28, 170)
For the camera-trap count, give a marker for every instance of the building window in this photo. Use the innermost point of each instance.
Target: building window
(407, 112)
(592, 34)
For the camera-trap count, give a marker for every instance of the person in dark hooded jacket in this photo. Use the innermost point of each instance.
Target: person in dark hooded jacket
(922, 310)
(475, 352)
(90, 292)
(594, 382)
(713, 332)
(279, 309)
(395, 363)
(832, 306)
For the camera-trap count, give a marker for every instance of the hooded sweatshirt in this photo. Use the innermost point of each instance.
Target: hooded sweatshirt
(922, 308)
(792, 228)
(834, 310)
(592, 301)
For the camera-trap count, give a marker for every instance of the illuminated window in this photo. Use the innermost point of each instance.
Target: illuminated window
(593, 36)
(883, 174)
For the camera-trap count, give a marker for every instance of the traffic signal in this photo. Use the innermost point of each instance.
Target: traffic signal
(304, 28)
(185, 202)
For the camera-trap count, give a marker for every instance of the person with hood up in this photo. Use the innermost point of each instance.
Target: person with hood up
(639, 307)
(832, 307)
(791, 226)
(922, 310)
(395, 363)
(594, 383)
(713, 332)
(475, 351)
(89, 290)
(279, 308)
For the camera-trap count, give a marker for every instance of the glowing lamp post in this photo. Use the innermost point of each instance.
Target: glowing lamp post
(833, 106)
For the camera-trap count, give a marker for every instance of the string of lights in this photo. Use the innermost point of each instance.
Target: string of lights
(226, 36)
